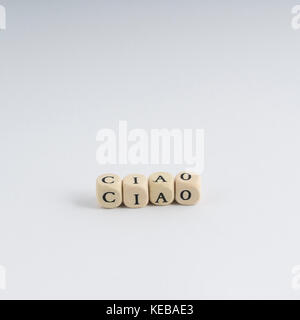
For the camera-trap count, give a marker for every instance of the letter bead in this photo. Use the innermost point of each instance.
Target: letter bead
(135, 191)
(109, 190)
(161, 188)
(187, 188)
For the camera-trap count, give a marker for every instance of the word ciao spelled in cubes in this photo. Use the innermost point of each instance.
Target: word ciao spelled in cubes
(135, 191)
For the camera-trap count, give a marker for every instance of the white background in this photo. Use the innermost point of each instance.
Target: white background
(70, 68)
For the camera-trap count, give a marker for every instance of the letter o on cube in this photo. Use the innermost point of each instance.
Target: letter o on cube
(161, 188)
(135, 191)
(187, 188)
(109, 190)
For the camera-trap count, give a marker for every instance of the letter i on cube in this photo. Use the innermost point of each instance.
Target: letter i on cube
(135, 191)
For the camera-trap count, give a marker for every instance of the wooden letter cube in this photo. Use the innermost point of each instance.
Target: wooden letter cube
(187, 188)
(135, 191)
(109, 190)
(161, 188)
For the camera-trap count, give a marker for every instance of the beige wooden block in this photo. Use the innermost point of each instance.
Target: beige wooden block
(161, 188)
(135, 191)
(109, 190)
(187, 188)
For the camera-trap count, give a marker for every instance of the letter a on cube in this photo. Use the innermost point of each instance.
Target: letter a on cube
(161, 188)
